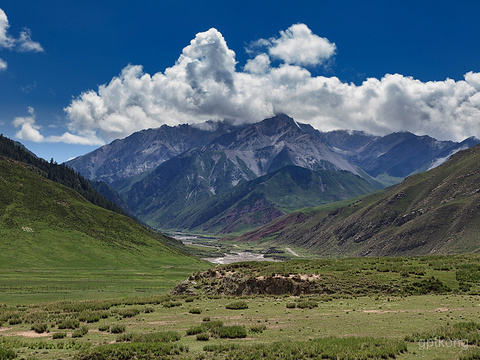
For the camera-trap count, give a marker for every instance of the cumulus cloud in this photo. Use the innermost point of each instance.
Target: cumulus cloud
(3, 65)
(299, 46)
(205, 84)
(30, 131)
(6, 41)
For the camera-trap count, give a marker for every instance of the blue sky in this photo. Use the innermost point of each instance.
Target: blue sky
(378, 66)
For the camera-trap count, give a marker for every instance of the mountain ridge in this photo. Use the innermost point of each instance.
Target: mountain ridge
(229, 156)
(436, 212)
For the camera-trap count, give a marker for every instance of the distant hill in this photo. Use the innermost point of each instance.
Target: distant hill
(436, 212)
(46, 224)
(259, 201)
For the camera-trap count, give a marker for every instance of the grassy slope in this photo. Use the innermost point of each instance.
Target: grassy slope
(258, 201)
(46, 227)
(432, 212)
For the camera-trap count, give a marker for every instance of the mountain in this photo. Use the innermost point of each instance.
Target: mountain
(436, 212)
(391, 158)
(178, 170)
(259, 201)
(46, 224)
(145, 150)
(163, 196)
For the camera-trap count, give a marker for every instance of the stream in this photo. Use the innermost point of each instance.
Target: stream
(227, 258)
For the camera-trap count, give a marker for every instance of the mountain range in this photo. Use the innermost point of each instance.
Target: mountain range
(209, 177)
(435, 212)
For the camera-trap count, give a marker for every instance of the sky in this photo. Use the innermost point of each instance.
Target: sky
(75, 75)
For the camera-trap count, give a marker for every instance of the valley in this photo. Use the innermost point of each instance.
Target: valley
(215, 180)
(231, 180)
(276, 257)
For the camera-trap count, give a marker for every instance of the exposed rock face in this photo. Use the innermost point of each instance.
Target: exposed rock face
(213, 282)
(145, 150)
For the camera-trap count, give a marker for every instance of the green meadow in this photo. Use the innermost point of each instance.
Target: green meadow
(132, 315)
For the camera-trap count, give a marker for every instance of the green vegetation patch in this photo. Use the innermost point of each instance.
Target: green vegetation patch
(162, 336)
(144, 351)
(237, 305)
(468, 332)
(328, 348)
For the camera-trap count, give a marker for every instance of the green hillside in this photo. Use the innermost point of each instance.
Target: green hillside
(436, 212)
(59, 173)
(45, 226)
(259, 201)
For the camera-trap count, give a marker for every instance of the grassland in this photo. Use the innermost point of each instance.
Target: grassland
(343, 324)
(55, 245)
(354, 321)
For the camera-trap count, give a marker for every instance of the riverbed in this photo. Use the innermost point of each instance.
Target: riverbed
(238, 257)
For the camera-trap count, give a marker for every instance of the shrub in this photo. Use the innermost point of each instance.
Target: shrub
(189, 299)
(231, 332)
(39, 328)
(128, 313)
(69, 324)
(117, 329)
(206, 318)
(257, 328)
(307, 304)
(59, 335)
(194, 330)
(80, 332)
(7, 354)
(93, 316)
(195, 311)
(220, 348)
(149, 309)
(162, 336)
(203, 337)
(291, 305)
(213, 324)
(15, 320)
(238, 305)
(104, 328)
(170, 304)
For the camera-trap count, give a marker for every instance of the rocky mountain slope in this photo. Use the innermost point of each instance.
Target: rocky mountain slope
(145, 150)
(190, 180)
(435, 212)
(177, 170)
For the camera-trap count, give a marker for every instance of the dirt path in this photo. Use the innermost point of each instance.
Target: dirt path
(292, 252)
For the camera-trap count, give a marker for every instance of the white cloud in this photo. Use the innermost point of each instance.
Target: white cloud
(259, 65)
(3, 65)
(299, 46)
(204, 84)
(30, 131)
(6, 41)
(23, 44)
(26, 44)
